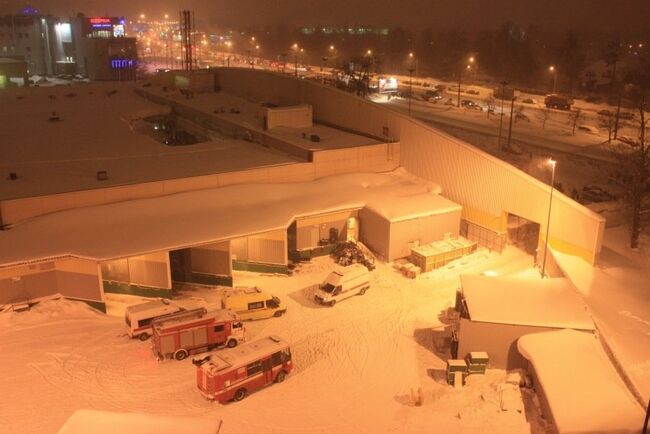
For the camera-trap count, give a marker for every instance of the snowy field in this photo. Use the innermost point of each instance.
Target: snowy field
(357, 364)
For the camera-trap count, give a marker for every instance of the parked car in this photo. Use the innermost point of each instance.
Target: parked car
(430, 95)
(558, 102)
(594, 98)
(529, 101)
(472, 92)
(342, 283)
(469, 104)
(520, 116)
(252, 303)
(138, 317)
(588, 129)
(594, 193)
(605, 112)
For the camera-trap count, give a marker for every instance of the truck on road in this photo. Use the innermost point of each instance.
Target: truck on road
(558, 102)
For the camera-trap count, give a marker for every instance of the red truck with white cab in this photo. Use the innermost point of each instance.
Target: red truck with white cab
(195, 331)
(234, 373)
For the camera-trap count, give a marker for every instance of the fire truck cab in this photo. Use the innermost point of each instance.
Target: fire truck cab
(195, 331)
(232, 374)
(139, 317)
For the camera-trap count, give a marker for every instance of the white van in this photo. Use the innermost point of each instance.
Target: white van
(138, 317)
(342, 283)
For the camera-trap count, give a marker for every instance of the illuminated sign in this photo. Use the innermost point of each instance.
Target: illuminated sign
(123, 63)
(118, 30)
(99, 20)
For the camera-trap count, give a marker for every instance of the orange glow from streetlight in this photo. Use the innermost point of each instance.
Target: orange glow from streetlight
(551, 68)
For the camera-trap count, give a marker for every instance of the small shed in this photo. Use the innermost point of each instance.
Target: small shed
(578, 387)
(13, 70)
(496, 311)
(391, 228)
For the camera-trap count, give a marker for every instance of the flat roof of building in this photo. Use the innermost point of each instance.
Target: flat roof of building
(553, 303)
(415, 206)
(250, 114)
(97, 132)
(583, 390)
(180, 220)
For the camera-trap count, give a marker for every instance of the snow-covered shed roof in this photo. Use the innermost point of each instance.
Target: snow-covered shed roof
(192, 218)
(533, 302)
(415, 206)
(584, 392)
(108, 422)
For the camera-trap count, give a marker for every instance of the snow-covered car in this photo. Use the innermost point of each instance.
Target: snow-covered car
(469, 104)
(472, 92)
(529, 101)
(588, 129)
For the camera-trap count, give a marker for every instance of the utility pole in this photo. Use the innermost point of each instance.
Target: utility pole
(460, 74)
(512, 109)
(410, 87)
(503, 91)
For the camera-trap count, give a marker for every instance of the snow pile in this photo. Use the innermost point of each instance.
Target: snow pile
(583, 391)
(57, 309)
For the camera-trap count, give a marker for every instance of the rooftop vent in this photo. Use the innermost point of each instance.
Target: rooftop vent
(54, 117)
(13, 176)
(314, 138)
(102, 175)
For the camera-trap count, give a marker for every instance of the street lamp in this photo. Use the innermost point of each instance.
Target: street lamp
(554, 72)
(295, 49)
(552, 162)
(503, 96)
(460, 76)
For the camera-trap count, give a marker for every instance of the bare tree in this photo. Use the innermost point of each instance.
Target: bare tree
(634, 155)
(608, 121)
(575, 117)
(543, 115)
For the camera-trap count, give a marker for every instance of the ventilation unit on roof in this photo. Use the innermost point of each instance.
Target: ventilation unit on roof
(102, 175)
(13, 176)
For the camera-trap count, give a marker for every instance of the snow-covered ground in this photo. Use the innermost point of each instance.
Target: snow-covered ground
(357, 364)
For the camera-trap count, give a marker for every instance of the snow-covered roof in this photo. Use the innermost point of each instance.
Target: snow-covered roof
(108, 422)
(185, 219)
(415, 206)
(243, 354)
(533, 302)
(98, 130)
(584, 392)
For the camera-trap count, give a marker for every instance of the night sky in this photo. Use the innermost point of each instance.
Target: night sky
(607, 15)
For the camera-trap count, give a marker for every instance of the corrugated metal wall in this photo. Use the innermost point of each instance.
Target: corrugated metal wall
(467, 175)
(374, 232)
(147, 270)
(212, 258)
(424, 230)
(266, 248)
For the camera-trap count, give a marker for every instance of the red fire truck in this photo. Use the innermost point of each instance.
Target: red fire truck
(195, 331)
(233, 374)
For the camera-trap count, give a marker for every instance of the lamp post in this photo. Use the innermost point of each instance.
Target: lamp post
(503, 92)
(552, 162)
(414, 62)
(410, 87)
(554, 72)
(295, 48)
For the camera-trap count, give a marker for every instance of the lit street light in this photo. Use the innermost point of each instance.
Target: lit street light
(552, 162)
(460, 76)
(554, 72)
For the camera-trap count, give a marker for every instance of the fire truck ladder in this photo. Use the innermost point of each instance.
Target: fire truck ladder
(181, 315)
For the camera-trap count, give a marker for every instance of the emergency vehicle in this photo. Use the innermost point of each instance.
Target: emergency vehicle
(342, 283)
(195, 331)
(139, 317)
(233, 374)
(252, 303)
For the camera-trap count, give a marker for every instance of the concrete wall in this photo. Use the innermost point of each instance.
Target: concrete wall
(484, 185)
(295, 117)
(424, 230)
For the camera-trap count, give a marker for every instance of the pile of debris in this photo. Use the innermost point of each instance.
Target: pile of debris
(350, 252)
